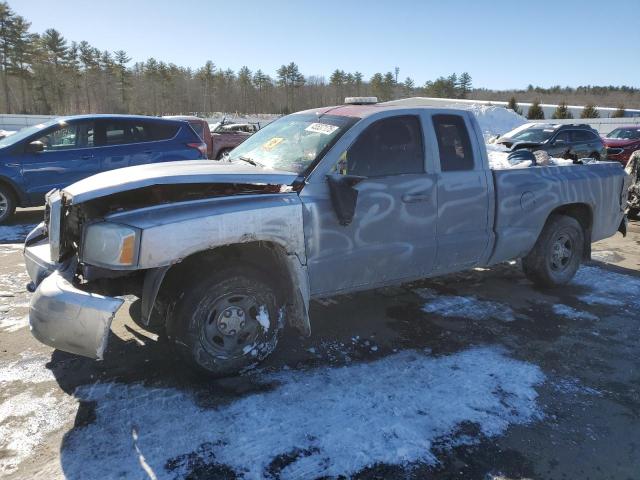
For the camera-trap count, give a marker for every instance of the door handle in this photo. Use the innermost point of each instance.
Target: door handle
(86, 157)
(148, 152)
(414, 197)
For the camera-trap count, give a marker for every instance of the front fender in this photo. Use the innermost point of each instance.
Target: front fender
(173, 232)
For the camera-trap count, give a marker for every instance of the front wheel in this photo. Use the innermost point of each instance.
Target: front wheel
(555, 258)
(7, 203)
(227, 320)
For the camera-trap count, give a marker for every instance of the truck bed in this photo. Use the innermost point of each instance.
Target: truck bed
(525, 197)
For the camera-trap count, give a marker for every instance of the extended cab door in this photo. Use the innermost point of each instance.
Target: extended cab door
(463, 226)
(392, 234)
(68, 156)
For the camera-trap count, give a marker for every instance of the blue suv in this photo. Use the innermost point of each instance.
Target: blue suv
(58, 153)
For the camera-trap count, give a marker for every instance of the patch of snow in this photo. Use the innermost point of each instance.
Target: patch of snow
(493, 120)
(571, 313)
(608, 288)
(26, 419)
(324, 422)
(30, 368)
(13, 324)
(263, 318)
(15, 233)
(572, 386)
(464, 307)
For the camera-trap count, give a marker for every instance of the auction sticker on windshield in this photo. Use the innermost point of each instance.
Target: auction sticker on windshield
(324, 128)
(273, 143)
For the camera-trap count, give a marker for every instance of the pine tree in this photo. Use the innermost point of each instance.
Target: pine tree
(407, 87)
(535, 111)
(7, 18)
(619, 113)
(464, 84)
(121, 60)
(376, 83)
(513, 105)
(357, 82)
(590, 111)
(561, 112)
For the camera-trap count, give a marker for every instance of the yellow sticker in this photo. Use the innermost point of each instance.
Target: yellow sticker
(273, 143)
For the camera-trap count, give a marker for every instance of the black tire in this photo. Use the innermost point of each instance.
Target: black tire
(594, 155)
(222, 153)
(215, 324)
(7, 203)
(556, 256)
(633, 213)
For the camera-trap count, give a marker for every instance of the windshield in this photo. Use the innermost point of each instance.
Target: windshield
(534, 135)
(625, 133)
(24, 133)
(293, 143)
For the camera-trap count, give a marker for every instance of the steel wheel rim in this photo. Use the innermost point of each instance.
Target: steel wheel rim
(231, 328)
(4, 204)
(561, 252)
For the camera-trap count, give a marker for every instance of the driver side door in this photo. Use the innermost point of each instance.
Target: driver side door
(68, 156)
(391, 236)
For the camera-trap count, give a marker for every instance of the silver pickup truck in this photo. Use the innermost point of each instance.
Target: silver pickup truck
(318, 203)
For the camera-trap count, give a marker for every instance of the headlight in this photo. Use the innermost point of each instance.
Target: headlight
(110, 245)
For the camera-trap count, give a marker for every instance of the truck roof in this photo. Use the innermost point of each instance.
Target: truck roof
(362, 111)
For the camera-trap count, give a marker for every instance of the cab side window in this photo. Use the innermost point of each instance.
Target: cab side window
(454, 144)
(562, 137)
(391, 146)
(68, 137)
(583, 136)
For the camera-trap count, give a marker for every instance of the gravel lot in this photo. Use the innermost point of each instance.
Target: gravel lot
(474, 375)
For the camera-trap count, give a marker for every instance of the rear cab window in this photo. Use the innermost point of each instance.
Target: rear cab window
(454, 144)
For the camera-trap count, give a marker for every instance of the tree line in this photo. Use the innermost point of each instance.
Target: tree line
(44, 73)
(562, 111)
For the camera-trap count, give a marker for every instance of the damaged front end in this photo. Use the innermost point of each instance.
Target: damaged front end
(61, 314)
(78, 293)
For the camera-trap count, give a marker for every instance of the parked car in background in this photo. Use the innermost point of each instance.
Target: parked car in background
(227, 136)
(622, 142)
(62, 151)
(200, 126)
(319, 203)
(569, 141)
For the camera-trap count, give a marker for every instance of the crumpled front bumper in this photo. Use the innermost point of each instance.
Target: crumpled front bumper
(61, 315)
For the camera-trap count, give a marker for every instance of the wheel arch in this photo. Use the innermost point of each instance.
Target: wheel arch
(160, 284)
(583, 213)
(15, 191)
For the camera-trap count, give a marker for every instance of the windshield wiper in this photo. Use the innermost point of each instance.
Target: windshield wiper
(250, 160)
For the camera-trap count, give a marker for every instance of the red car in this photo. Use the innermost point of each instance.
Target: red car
(227, 136)
(622, 142)
(201, 126)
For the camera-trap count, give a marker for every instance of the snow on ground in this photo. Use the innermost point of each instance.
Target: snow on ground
(571, 313)
(493, 120)
(15, 233)
(608, 288)
(463, 307)
(28, 417)
(390, 410)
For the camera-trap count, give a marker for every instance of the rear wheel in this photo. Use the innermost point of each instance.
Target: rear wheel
(7, 203)
(227, 320)
(555, 258)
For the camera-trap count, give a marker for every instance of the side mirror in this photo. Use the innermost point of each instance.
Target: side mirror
(343, 196)
(34, 147)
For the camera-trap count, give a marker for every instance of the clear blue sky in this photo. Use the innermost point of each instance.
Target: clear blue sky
(502, 44)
